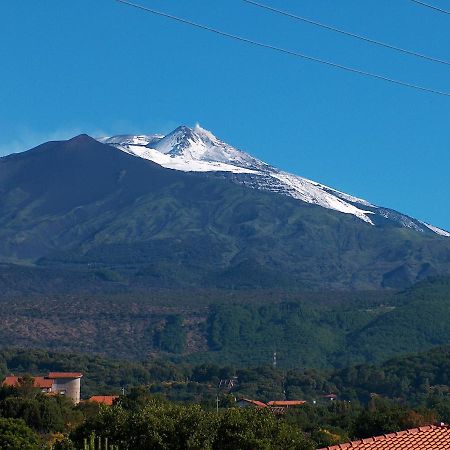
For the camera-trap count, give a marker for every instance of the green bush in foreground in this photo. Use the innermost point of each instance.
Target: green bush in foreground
(164, 426)
(15, 435)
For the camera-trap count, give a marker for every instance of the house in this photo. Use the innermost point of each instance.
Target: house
(248, 403)
(432, 437)
(103, 399)
(281, 406)
(44, 384)
(286, 403)
(277, 406)
(67, 383)
(57, 383)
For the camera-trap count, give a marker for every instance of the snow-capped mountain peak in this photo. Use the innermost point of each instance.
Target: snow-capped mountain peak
(188, 149)
(198, 144)
(206, 133)
(198, 150)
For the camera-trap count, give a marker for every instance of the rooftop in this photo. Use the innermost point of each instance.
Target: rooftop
(55, 375)
(253, 402)
(286, 402)
(38, 382)
(432, 437)
(103, 399)
(42, 382)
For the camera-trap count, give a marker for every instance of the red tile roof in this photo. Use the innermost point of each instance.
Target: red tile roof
(432, 437)
(38, 382)
(55, 375)
(103, 399)
(286, 402)
(42, 382)
(254, 402)
(11, 381)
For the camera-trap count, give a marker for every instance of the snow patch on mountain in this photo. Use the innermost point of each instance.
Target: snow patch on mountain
(185, 150)
(310, 192)
(437, 230)
(128, 139)
(198, 150)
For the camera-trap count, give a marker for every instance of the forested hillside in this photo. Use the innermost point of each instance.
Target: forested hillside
(413, 379)
(243, 328)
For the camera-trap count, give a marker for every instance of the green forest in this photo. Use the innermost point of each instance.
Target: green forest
(170, 406)
(384, 356)
(316, 329)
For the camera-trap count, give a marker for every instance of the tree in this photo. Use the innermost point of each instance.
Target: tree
(15, 435)
(385, 416)
(172, 337)
(253, 429)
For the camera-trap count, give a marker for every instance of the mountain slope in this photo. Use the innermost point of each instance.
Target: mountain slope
(306, 329)
(83, 205)
(198, 150)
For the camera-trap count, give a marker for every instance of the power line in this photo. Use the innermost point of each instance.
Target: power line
(428, 5)
(346, 33)
(285, 51)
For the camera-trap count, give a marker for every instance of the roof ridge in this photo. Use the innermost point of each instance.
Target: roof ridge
(386, 436)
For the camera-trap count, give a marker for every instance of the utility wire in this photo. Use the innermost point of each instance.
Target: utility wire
(428, 5)
(346, 33)
(285, 51)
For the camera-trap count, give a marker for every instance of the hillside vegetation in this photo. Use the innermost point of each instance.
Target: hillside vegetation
(179, 400)
(413, 379)
(87, 207)
(244, 328)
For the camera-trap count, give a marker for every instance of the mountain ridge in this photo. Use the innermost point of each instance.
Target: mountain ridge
(198, 150)
(83, 205)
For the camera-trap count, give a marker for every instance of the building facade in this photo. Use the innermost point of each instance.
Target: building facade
(56, 383)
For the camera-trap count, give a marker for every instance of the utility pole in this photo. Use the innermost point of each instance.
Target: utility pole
(217, 404)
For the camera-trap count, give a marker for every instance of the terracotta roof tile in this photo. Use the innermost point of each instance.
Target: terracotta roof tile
(286, 402)
(10, 381)
(103, 399)
(431, 437)
(254, 402)
(38, 382)
(55, 375)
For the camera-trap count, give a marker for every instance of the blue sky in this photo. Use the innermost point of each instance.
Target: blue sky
(104, 68)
